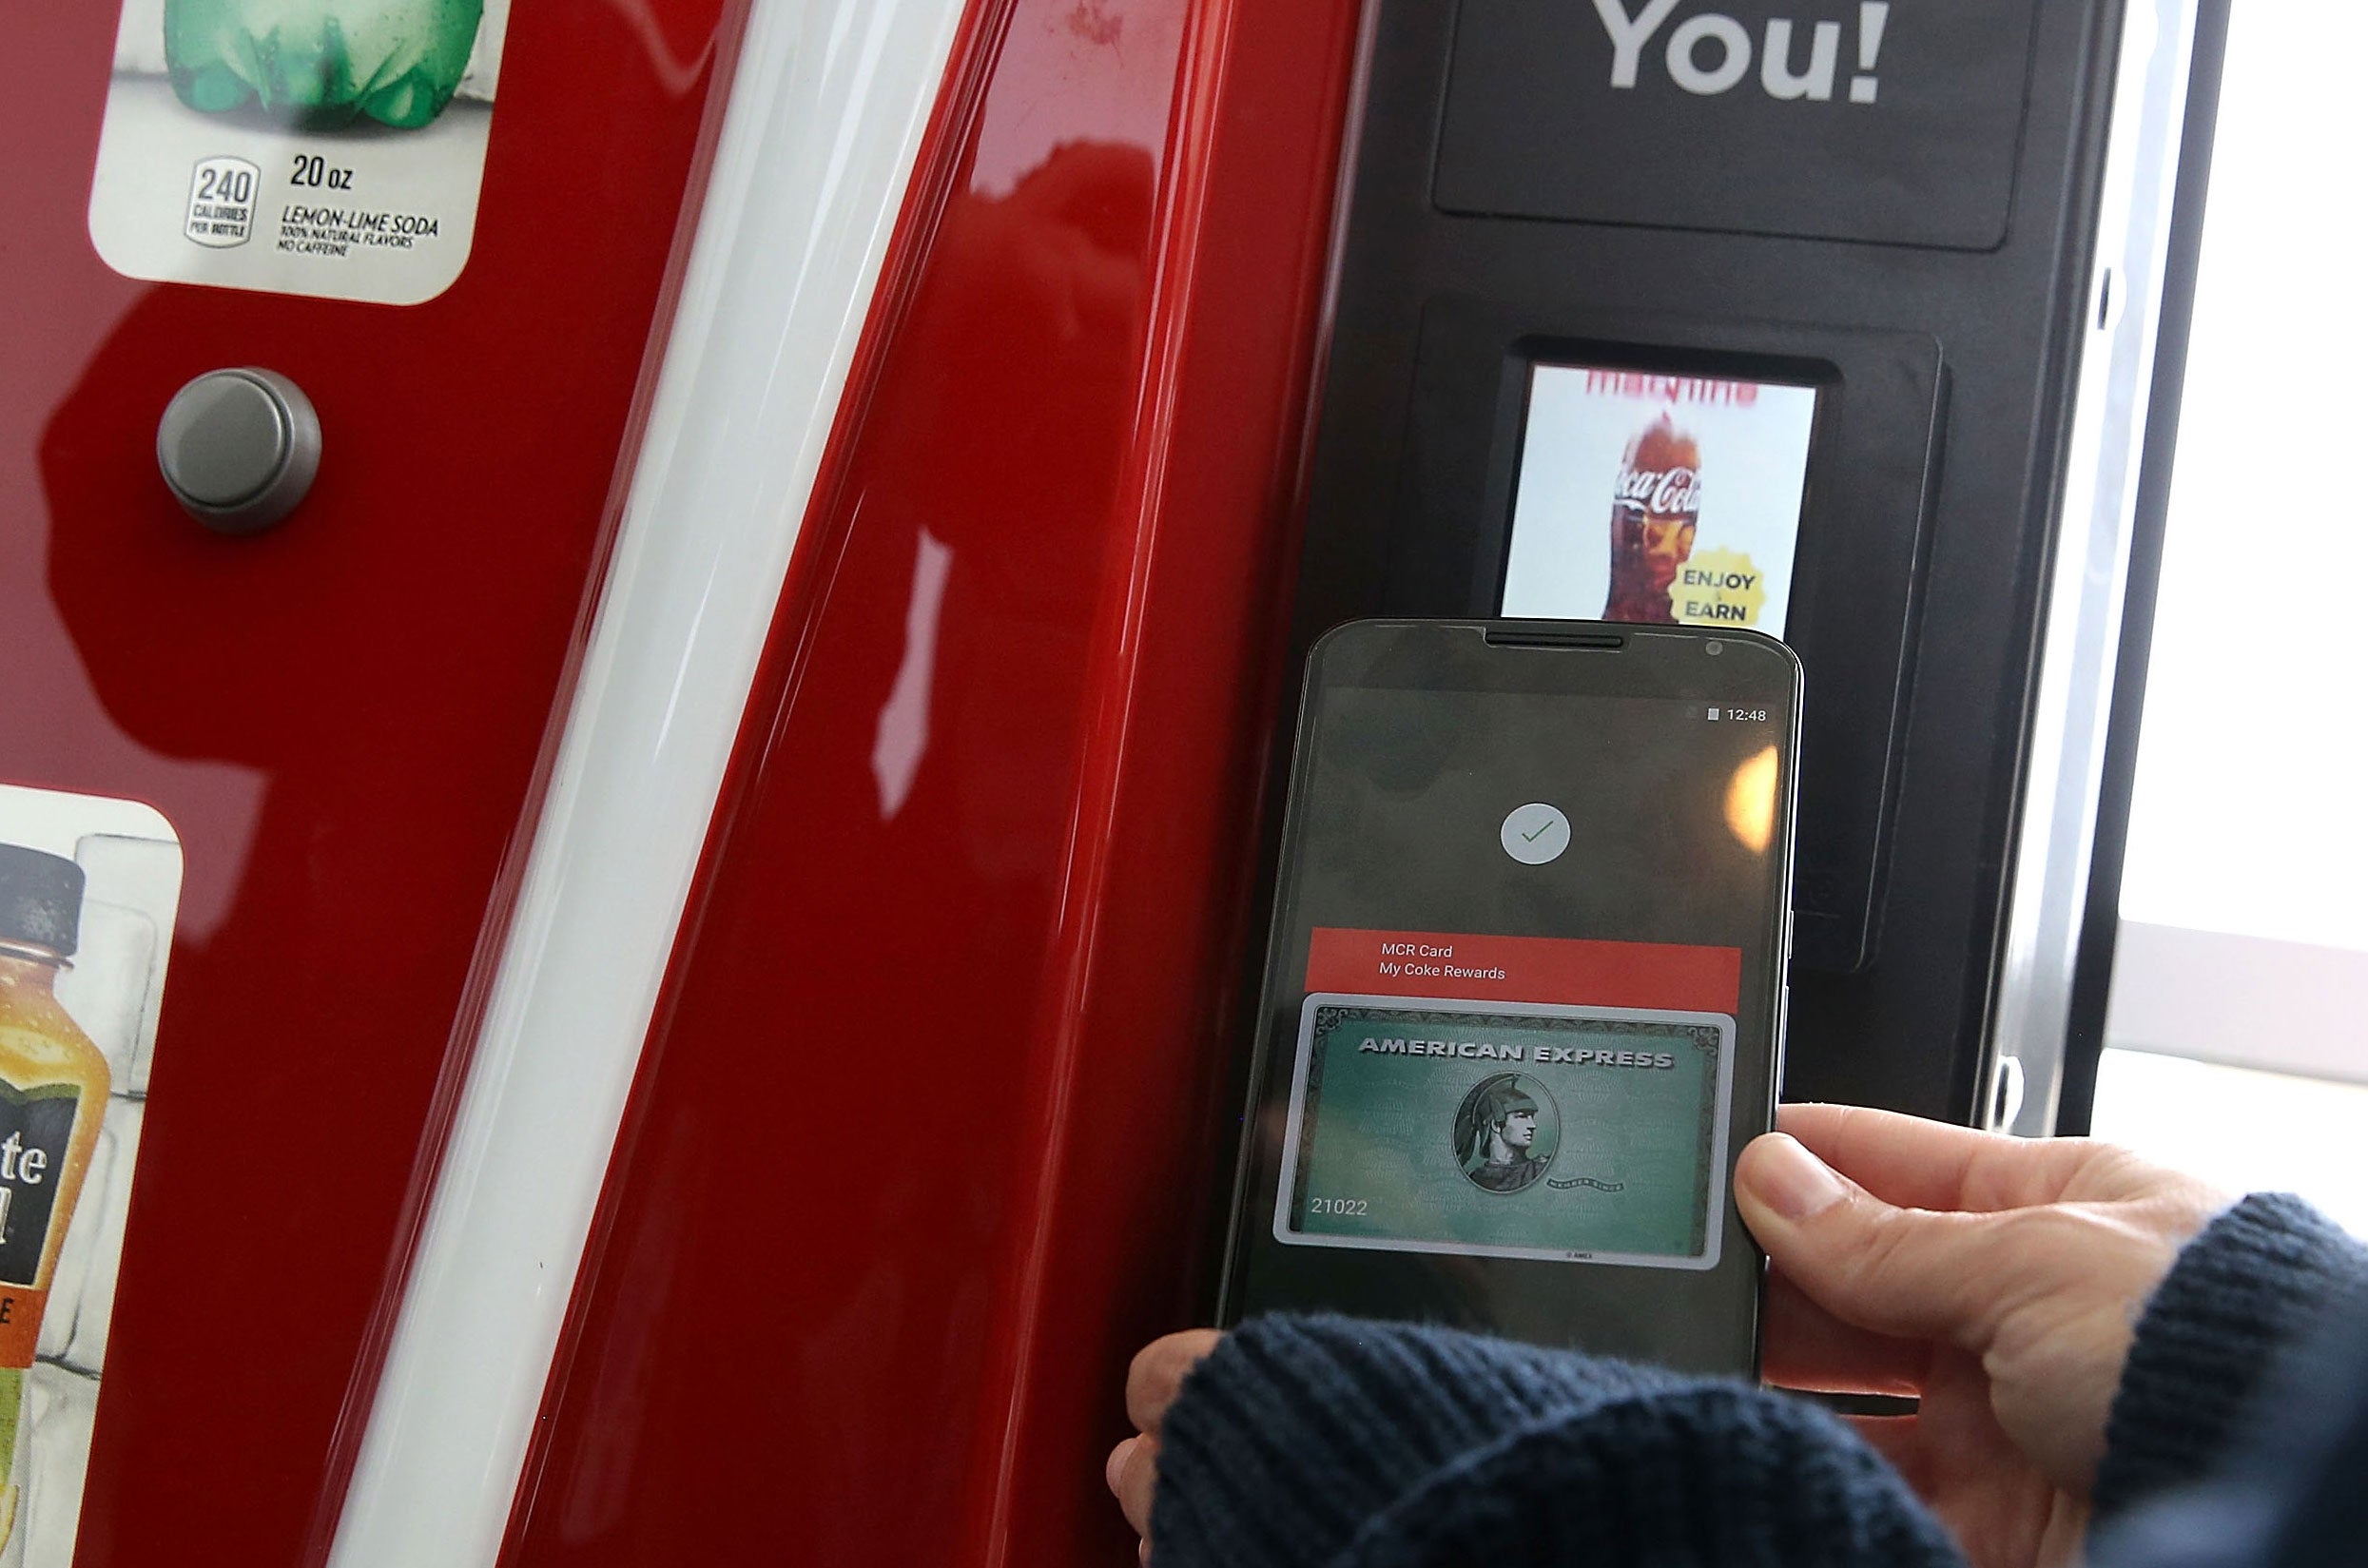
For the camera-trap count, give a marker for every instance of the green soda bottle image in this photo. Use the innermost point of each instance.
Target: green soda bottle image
(316, 65)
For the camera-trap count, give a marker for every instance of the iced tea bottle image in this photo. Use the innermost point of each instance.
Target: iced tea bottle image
(53, 1089)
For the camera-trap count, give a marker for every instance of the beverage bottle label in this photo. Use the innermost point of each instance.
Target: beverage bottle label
(35, 1127)
(332, 149)
(318, 64)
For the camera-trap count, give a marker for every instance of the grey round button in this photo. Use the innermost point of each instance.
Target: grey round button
(239, 448)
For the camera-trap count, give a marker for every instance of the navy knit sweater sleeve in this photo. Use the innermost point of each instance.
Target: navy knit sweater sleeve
(2259, 1280)
(1327, 1442)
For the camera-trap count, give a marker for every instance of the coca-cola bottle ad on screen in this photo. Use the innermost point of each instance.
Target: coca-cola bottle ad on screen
(1705, 477)
(1657, 502)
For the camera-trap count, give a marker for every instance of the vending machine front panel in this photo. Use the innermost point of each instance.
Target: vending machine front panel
(924, 1142)
(339, 718)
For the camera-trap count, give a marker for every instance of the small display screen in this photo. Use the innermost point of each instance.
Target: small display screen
(1651, 498)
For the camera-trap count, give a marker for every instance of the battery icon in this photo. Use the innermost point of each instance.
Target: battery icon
(1711, 713)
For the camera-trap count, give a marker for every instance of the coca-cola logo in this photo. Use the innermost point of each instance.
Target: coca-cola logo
(1662, 492)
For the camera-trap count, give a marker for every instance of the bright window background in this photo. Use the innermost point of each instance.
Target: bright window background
(2251, 808)
(2240, 1130)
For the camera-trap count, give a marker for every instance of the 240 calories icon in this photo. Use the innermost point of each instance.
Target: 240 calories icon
(221, 201)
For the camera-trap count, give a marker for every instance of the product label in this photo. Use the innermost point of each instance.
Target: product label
(323, 148)
(34, 1126)
(76, 1041)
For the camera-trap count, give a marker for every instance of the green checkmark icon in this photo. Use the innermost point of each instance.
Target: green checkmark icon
(1532, 838)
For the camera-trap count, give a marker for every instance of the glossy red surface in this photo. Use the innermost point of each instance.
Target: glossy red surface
(922, 1145)
(341, 718)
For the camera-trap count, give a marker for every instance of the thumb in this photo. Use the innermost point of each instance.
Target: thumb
(1918, 1273)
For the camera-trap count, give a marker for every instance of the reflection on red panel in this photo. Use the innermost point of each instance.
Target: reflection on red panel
(922, 1148)
(341, 717)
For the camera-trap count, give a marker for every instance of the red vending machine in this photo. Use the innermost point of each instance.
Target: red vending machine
(644, 639)
(647, 642)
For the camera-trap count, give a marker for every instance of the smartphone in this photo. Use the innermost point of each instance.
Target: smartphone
(1525, 992)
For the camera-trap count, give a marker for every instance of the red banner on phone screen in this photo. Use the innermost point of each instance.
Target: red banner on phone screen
(1525, 969)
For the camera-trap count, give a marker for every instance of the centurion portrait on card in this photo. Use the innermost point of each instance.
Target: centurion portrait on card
(1583, 1134)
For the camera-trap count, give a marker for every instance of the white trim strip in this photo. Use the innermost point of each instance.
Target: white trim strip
(2072, 699)
(828, 105)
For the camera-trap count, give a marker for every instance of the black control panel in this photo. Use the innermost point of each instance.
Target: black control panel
(1879, 216)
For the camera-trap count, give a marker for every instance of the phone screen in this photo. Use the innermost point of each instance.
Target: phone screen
(1523, 991)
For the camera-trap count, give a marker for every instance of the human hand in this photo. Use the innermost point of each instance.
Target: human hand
(1998, 1279)
(1152, 1381)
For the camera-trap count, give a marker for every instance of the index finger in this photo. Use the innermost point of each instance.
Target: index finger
(1158, 1370)
(1917, 1164)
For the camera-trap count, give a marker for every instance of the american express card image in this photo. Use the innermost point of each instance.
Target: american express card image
(1590, 1134)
